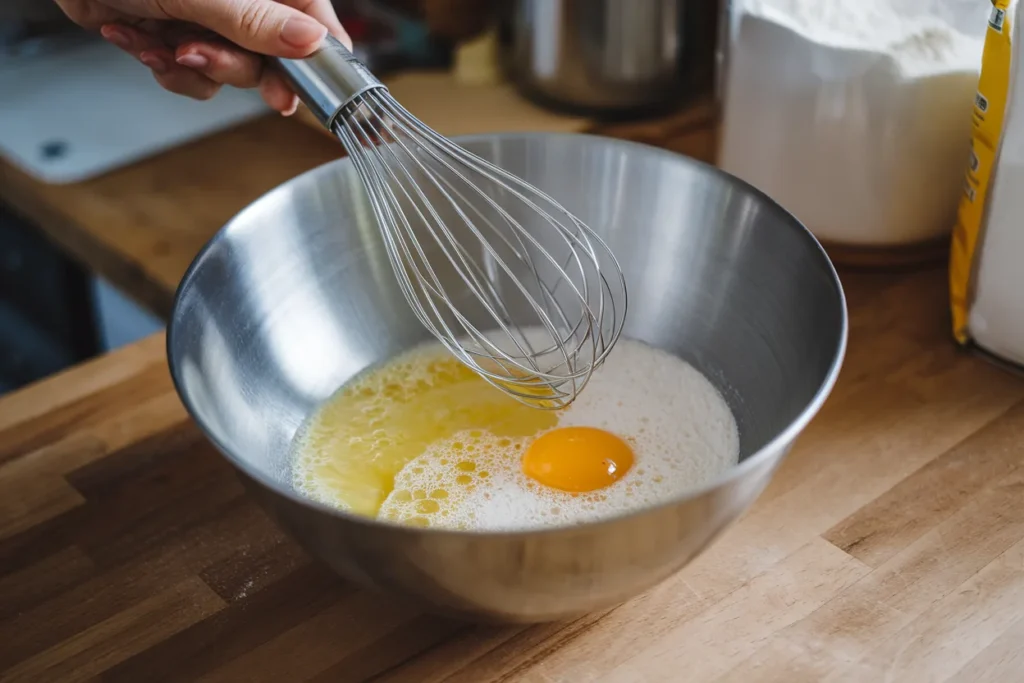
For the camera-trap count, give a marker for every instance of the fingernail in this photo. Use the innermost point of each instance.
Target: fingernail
(117, 37)
(153, 62)
(193, 60)
(303, 32)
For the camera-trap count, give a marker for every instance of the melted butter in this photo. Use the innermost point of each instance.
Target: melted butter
(351, 450)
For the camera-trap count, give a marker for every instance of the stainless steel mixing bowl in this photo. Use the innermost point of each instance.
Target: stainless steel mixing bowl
(295, 296)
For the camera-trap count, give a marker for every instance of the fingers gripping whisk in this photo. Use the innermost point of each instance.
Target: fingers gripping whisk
(511, 283)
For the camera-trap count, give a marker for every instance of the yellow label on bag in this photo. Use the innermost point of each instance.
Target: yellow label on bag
(989, 111)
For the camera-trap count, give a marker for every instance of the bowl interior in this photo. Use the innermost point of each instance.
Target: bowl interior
(296, 295)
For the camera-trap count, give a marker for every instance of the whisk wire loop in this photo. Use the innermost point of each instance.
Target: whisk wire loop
(507, 279)
(472, 270)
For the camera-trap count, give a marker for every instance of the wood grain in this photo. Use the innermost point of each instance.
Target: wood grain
(889, 546)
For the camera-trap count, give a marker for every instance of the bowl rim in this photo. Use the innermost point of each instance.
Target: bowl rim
(769, 450)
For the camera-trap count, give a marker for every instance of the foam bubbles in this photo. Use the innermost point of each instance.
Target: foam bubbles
(680, 429)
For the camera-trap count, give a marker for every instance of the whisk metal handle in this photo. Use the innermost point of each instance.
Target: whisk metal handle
(328, 79)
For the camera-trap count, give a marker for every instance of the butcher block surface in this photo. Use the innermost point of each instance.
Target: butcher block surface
(889, 546)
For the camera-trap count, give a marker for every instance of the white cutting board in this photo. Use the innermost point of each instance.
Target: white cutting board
(87, 108)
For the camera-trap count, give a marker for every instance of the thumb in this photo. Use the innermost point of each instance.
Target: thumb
(263, 26)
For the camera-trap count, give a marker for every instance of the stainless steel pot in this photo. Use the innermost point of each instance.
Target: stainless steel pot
(295, 296)
(612, 57)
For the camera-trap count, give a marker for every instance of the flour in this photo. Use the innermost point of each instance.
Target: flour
(919, 42)
(855, 115)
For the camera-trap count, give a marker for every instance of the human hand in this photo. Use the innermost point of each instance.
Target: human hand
(193, 47)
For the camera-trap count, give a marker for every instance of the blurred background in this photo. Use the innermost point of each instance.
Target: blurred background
(91, 240)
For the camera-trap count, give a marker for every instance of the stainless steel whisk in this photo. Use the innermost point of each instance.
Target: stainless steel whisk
(508, 280)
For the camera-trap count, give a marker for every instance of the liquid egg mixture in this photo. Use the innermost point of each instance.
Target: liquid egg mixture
(422, 440)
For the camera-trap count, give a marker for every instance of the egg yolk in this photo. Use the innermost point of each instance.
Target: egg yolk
(577, 459)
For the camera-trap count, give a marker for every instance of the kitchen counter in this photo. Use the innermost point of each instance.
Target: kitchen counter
(889, 546)
(141, 226)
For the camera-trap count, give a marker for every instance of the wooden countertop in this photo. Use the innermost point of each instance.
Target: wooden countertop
(889, 546)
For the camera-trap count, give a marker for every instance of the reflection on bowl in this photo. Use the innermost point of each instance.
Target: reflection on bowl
(295, 296)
